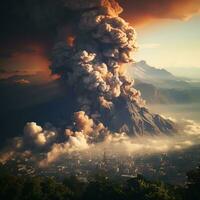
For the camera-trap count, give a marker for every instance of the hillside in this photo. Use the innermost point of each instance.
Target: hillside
(160, 86)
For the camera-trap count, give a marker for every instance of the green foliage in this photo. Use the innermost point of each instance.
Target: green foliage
(193, 184)
(32, 188)
(99, 188)
(102, 188)
(139, 188)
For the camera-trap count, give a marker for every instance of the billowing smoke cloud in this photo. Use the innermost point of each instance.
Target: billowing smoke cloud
(45, 141)
(93, 68)
(34, 140)
(110, 7)
(107, 109)
(91, 64)
(32, 21)
(122, 144)
(38, 136)
(104, 42)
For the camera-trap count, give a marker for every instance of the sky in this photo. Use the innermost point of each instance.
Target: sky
(168, 34)
(170, 43)
(168, 37)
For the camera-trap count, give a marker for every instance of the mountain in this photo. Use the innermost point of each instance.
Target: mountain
(151, 93)
(158, 77)
(135, 120)
(47, 102)
(160, 86)
(145, 72)
(155, 95)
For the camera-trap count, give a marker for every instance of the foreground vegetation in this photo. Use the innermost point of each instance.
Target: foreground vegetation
(98, 188)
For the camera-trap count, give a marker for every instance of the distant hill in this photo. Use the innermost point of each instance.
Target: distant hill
(160, 86)
(158, 77)
(145, 72)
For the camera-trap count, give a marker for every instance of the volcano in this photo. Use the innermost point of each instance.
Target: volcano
(91, 62)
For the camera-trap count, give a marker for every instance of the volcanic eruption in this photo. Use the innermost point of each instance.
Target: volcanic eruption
(103, 104)
(93, 66)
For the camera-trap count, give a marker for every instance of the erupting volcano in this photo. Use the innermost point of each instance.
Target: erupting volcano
(92, 64)
(103, 105)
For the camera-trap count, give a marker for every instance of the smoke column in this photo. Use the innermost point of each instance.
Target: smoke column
(92, 63)
(104, 105)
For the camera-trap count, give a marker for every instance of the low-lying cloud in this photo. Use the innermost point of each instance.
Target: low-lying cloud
(92, 66)
(55, 145)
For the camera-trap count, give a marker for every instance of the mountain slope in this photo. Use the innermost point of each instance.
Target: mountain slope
(160, 86)
(143, 71)
(155, 76)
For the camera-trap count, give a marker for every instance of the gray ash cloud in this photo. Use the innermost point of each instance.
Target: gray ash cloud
(93, 67)
(106, 106)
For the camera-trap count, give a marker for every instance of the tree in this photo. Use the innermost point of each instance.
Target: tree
(193, 184)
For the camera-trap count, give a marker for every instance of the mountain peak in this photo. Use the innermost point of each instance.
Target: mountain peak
(144, 72)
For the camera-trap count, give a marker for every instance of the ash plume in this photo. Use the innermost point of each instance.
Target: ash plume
(106, 106)
(93, 68)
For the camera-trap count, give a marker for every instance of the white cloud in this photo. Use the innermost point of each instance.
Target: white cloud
(95, 141)
(35, 135)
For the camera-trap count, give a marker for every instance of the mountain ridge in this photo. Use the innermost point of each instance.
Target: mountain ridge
(157, 85)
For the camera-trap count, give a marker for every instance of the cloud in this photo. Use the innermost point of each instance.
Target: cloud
(139, 12)
(26, 60)
(192, 127)
(22, 81)
(35, 135)
(123, 145)
(47, 145)
(30, 21)
(110, 7)
(76, 143)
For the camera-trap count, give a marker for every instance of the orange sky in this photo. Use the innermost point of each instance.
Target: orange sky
(31, 57)
(140, 12)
